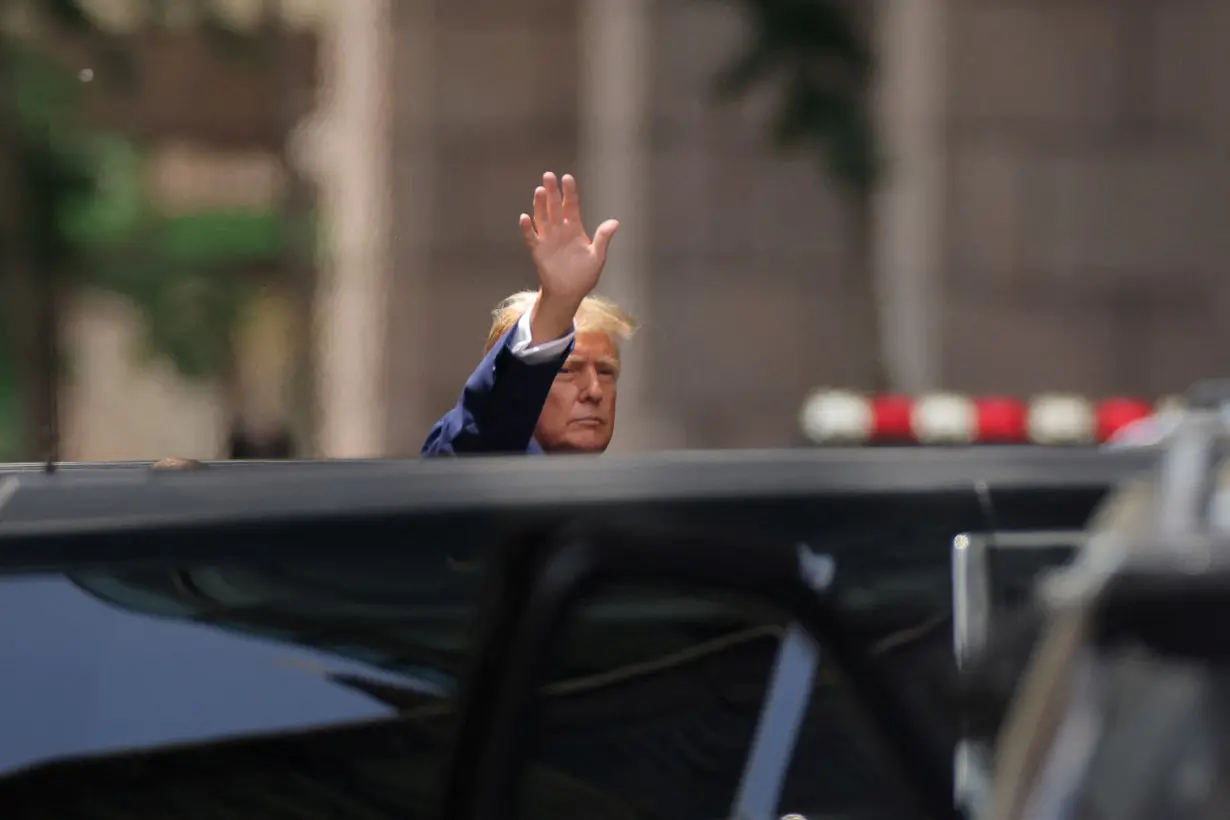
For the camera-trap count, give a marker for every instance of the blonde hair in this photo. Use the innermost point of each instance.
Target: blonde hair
(595, 314)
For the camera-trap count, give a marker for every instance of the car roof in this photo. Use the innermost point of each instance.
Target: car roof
(45, 516)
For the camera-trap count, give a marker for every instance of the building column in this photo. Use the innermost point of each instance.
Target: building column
(909, 242)
(353, 165)
(1216, 108)
(416, 166)
(615, 65)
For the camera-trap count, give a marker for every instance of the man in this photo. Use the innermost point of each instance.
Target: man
(548, 380)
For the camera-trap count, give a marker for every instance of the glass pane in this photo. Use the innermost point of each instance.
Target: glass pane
(669, 732)
(288, 691)
(136, 695)
(1014, 573)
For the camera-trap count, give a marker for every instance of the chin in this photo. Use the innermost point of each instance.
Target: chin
(586, 444)
(592, 448)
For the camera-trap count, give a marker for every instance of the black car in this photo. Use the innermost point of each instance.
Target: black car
(379, 639)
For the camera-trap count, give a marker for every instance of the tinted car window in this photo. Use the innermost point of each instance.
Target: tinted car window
(671, 736)
(167, 691)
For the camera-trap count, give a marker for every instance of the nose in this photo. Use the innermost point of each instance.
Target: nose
(591, 385)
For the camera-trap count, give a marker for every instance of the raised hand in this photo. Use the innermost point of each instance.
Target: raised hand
(569, 263)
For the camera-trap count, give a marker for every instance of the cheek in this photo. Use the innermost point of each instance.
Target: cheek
(559, 400)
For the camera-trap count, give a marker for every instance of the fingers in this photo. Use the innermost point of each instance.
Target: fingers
(555, 205)
(602, 236)
(527, 232)
(571, 201)
(540, 209)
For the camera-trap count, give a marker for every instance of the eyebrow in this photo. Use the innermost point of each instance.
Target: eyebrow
(599, 361)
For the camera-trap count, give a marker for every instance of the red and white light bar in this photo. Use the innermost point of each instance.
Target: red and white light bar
(848, 417)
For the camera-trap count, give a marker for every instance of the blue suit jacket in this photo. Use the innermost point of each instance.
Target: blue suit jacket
(498, 408)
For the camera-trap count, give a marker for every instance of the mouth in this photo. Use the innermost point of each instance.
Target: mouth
(589, 421)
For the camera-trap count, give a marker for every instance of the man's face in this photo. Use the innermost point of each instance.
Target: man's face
(579, 414)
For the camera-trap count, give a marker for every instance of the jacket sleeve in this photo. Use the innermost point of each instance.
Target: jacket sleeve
(499, 407)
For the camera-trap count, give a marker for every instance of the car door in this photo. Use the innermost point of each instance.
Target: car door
(745, 768)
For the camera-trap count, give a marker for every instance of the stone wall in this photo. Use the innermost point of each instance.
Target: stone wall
(212, 138)
(1083, 217)
(1083, 208)
(485, 101)
(745, 253)
(1081, 190)
(120, 404)
(749, 258)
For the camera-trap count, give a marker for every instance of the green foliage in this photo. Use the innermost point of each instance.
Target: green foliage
(54, 171)
(10, 412)
(191, 275)
(68, 14)
(818, 56)
(111, 53)
(220, 238)
(106, 218)
(192, 279)
(85, 214)
(41, 93)
(53, 165)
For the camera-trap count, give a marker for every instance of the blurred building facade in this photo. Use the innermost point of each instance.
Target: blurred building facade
(1053, 217)
(734, 260)
(214, 131)
(1086, 195)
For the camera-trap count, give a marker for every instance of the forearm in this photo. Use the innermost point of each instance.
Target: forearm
(499, 407)
(551, 318)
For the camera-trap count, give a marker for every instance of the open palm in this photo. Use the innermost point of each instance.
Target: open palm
(569, 263)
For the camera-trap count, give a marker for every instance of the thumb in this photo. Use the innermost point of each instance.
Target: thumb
(602, 236)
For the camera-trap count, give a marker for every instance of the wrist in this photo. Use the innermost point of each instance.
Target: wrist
(551, 318)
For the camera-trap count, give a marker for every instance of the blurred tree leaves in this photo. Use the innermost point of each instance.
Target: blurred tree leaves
(817, 56)
(193, 280)
(191, 275)
(71, 15)
(107, 217)
(86, 217)
(10, 413)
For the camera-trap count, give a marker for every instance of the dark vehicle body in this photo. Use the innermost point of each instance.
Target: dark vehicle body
(290, 639)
